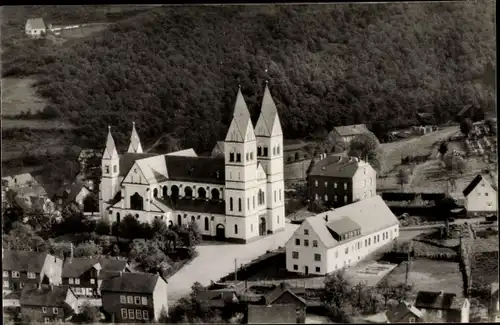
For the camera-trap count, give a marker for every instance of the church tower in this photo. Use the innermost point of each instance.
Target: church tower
(240, 151)
(135, 143)
(270, 153)
(110, 173)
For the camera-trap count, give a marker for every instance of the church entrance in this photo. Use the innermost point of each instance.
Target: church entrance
(262, 227)
(220, 233)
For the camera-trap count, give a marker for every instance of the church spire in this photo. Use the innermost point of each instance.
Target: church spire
(268, 123)
(241, 128)
(110, 151)
(135, 143)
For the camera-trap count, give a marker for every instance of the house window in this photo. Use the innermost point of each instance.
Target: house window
(316, 183)
(92, 281)
(318, 270)
(295, 267)
(137, 300)
(315, 243)
(335, 198)
(114, 168)
(130, 299)
(138, 314)
(124, 313)
(5, 283)
(21, 285)
(5, 274)
(251, 155)
(326, 197)
(131, 314)
(231, 204)
(317, 257)
(411, 320)
(144, 301)
(239, 204)
(44, 310)
(326, 184)
(345, 186)
(15, 274)
(77, 281)
(46, 320)
(145, 315)
(235, 229)
(55, 310)
(345, 198)
(31, 275)
(297, 241)
(347, 250)
(335, 185)
(306, 242)
(306, 232)
(278, 149)
(248, 156)
(259, 151)
(485, 194)
(123, 300)
(295, 255)
(280, 194)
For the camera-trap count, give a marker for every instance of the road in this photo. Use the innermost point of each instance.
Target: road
(217, 260)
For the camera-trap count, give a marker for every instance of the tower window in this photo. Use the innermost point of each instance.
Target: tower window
(248, 156)
(231, 204)
(106, 169)
(231, 156)
(274, 151)
(248, 203)
(114, 168)
(239, 204)
(259, 151)
(278, 149)
(236, 229)
(251, 155)
(238, 157)
(265, 151)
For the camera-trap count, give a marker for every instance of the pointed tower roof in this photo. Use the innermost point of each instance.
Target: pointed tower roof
(268, 123)
(135, 143)
(110, 151)
(241, 128)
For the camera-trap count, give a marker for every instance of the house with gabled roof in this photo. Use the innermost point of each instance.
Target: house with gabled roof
(339, 238)
(404, 312)
(134, 297)
(29, 269)
(238, 196)
(35, 27)
(443, 307)
(49, 304)
(480, 196)
(346, 133)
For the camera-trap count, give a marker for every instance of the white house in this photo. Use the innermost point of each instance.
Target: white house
(35, 27)
(480, 196)
(342, 237)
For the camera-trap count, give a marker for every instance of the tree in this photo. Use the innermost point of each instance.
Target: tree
(194, 234)
(88, 314)
(103, 227)
(129, 227)
(148, 255)
(492, 125)
(337, 290)
(318, 206)
(22, 237)
(455, 163)
(443, 148)
(87, 249)
(466, 126)
(366, 147)
(403, 176)
(165, 236)
(60, 249)
(444, 208)
(91, 203)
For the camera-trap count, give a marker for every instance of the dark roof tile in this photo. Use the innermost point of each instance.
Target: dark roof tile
(196, 169)
(472, 185)
(45, 296)
(23, 261)
(76, 267)
(127, 161)
(131, 282)
(335, 166)
(343, 225)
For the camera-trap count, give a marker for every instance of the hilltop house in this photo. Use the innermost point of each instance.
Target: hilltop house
(238, 197)
(48, 304)
(134, 297)
(340, 238)
(347, 133)
(443, 307)
(404, 312)
(480, 196)
(35, 27)
(85, 275)
(338, 180)
(29, 269)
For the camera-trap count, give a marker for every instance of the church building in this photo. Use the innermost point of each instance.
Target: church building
(236, 197)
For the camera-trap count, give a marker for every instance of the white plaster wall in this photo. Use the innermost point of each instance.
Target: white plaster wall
(481, 199)
(364, 183)
(306, 253)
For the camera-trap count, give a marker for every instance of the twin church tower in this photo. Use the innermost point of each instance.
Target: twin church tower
(239, 197)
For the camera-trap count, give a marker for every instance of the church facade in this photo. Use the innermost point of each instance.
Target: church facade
(238, 196)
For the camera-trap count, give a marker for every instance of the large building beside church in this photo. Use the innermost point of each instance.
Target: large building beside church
(235, 197)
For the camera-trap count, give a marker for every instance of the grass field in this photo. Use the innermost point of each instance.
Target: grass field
(485, 268)
(430, 275)
(83, 31)
(20, 96)
(36, 124)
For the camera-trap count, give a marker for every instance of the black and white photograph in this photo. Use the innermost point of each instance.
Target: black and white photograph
(250, 163)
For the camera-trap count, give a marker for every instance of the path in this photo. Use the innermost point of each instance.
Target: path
(215, 261)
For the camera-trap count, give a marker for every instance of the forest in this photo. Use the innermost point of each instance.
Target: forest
(175, 70)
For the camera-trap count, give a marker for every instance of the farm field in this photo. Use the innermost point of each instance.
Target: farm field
(20, 96)
(36, 124)
(430, 275)
(484, 268)
(17, 149)
(83, 31)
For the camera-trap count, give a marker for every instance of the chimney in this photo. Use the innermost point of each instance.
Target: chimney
(71, 256)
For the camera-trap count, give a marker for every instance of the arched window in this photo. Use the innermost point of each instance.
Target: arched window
(231, 204)
(235, 229)
(278, 149)
(118, 217)
(193, 219)
(239, 204)
(215, 194)
(206, 224)
(259, 151)
(188, 192)
(165, 189)
(136, 202)
(179, 220)
(174, 192)
(202, 193)
(238, 157)
(155, 192)
(326, 197)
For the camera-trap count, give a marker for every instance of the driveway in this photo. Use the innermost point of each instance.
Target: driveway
(215, 261)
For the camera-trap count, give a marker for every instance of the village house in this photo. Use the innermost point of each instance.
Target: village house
(480, 196)
(404, 312)
(340, 238)
(338, 180)
(239, 197)
(294, 150)
(76, 192)
(85, 275)
(443, 307)
(35, 27)
(29, 269)
(134, 297)
(347, 133)
(21, 180)
(48, 304)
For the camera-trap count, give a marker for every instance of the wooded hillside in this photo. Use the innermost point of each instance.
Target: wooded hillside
(175, 70)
